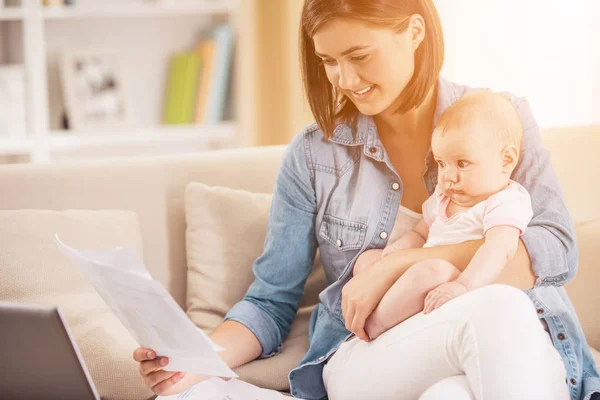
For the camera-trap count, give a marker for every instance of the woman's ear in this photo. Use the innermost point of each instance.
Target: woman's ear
(417, 29)
(510, 158)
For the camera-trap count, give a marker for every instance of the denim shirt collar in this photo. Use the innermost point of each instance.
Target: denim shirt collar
(366, 130)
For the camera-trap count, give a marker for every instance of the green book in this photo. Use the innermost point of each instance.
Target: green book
(182, 86)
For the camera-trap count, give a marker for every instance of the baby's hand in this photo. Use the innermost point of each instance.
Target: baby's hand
(442, 294)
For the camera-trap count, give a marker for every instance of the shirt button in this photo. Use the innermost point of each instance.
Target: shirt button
(561, 336)
(372, 150)
(573, 381)
(321, 358)
(383, 235)
(540, 311)
(395, 186)
(339, 243)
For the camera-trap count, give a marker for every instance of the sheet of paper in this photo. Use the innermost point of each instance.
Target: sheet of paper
(147, 310)
(219, 389)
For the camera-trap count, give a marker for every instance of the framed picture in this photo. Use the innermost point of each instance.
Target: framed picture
(94, 90)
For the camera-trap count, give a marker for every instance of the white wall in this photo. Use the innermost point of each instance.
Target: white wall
(546, 50)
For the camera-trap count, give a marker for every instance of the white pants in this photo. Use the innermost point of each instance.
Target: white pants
(487, 344)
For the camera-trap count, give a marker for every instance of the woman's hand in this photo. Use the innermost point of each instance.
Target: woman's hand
(362, 294)
(442, 294)
(163, 383)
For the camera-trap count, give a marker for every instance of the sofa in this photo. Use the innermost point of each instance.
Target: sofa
(198, 221)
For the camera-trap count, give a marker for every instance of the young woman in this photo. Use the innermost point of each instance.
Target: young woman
(371, 72)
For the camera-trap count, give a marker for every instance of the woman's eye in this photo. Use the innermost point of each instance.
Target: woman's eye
(463, 164)
(327, 61)
(359, 58)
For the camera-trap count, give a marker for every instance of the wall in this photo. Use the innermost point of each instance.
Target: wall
(535, 48)
(271, 103)
(548, 51)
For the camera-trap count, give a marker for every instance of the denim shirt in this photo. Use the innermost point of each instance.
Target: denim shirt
(339, 196)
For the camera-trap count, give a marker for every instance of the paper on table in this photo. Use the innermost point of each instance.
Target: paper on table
(147, 310)
(218, 389)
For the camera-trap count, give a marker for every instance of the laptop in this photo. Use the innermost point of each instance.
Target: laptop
(40, 359)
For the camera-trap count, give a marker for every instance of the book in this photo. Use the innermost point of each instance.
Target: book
(206, 51)
(220, 74)
(181, 90)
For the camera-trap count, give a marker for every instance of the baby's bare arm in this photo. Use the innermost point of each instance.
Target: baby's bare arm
(410, 240)
(500, 247)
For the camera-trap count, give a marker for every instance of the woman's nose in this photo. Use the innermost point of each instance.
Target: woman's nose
(348, 79)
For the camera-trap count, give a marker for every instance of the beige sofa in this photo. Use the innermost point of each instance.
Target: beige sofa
(155, 189)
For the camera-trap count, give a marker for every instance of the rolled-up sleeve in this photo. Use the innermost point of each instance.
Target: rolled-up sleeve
(271, 302)
(550, 236)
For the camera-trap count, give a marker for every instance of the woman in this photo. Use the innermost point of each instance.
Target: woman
(371, 72)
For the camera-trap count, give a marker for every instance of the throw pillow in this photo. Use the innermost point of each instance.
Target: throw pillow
(226, 230)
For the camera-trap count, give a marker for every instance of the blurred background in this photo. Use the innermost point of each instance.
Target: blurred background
(83, 79)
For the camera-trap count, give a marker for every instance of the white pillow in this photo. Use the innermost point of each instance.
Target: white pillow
(35, 271)
(226, 230)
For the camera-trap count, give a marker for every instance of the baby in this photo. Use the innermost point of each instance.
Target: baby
(476, 145)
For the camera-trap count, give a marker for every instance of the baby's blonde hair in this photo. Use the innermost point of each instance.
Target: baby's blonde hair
(485, 111)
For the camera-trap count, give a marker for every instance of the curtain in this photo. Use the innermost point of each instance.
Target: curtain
(271, 105)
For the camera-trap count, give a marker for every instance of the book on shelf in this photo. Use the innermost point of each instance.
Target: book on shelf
(182, 82)
(205, 50)
(211, 86)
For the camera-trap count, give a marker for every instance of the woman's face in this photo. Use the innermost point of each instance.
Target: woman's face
(371, 65)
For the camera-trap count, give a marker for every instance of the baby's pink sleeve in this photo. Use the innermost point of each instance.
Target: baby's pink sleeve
(430, 208)
(510, 207)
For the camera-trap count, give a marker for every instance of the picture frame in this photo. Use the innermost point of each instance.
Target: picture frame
(94, 90)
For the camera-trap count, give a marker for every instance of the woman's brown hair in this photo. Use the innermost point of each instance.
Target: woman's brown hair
(328, 105)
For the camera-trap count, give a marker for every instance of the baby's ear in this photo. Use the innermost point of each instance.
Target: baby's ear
(510, 158)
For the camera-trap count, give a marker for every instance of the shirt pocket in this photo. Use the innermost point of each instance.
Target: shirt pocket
(342, 234)
(340, 240)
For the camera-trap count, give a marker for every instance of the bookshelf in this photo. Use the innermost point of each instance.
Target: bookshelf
(146, 33)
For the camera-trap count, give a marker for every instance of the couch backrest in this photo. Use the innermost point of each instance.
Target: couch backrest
(155, 187)
(575, 159)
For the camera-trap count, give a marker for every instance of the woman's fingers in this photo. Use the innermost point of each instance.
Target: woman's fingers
(142, 354)
(344, 306)
(349, 317)
(150, 366)
(162, 381)
(358, 325)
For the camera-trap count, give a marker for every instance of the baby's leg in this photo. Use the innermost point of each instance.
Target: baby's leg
(405, 298)
(366, 259)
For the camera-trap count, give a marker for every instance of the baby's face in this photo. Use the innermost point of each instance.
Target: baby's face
(470, 165)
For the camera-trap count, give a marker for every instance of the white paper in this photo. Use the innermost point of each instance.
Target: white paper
(147, 310)
(219, 389)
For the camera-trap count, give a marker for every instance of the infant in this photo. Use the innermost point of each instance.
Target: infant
(476, 145)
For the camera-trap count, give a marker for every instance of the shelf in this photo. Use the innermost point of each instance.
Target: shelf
(187, 8)
(61, 140)
(159, 136)
(11, 14)
(11, 146)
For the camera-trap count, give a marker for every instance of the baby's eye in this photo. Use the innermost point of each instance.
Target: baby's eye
(441, 164)
(462, 164)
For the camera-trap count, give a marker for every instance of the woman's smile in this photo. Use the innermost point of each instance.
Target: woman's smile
(363, 94)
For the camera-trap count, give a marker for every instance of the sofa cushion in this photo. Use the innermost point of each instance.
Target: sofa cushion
(226, 229)
(35, 271)
(583, 290)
